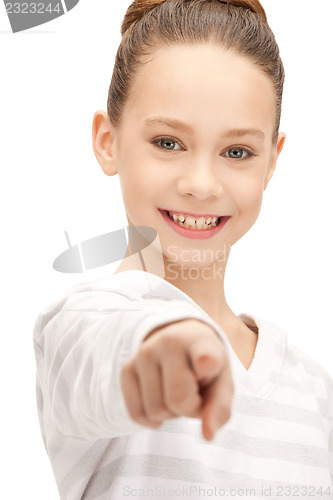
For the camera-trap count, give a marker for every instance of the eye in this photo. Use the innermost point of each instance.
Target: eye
(167, 143)
(238, 153)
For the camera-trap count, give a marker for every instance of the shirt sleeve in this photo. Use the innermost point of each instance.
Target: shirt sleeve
(81, 343)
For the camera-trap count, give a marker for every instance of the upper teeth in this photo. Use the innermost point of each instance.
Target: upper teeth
(201, 222)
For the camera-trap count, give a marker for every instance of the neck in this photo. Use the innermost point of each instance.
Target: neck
(205, 288)
(204, 285)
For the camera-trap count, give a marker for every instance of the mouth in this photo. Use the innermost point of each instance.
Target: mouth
(194, 225)
(197, 222)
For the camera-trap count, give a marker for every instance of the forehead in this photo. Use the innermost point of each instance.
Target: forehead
(202, 84)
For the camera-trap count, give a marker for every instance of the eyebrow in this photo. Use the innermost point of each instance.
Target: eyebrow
(177, 124)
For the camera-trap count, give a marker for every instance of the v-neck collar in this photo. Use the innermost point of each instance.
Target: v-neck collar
(271, 344)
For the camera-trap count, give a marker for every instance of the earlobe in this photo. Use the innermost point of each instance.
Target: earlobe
(103, 142)
(279, 146)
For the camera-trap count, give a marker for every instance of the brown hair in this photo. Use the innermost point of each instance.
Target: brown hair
(239, 25)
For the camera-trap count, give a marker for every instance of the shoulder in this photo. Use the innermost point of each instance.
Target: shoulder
(308, 375)
(131, 290)
(299, 361)
(113, 289)
(298, 370)
(295, 360)
(130, 283)
(94, 295)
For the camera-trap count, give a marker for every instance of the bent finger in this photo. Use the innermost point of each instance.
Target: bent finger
(180, 387)
(133, 397)
(151, 387)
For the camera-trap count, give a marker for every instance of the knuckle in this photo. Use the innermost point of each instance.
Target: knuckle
(126, 371)
(135, 415)
(153, 425)
(193, 406)
(138, 415)
(168, 343)
(158, 413)
(178, 402)
(144, 356)
(143, 419)
(147, 349)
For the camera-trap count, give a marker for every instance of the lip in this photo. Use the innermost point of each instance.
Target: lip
(199, 234)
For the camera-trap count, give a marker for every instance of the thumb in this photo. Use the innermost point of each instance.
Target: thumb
(207, 358)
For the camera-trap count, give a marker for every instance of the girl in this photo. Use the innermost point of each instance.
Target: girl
(149, 385)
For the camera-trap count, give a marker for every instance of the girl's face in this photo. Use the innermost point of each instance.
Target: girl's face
(196, 137)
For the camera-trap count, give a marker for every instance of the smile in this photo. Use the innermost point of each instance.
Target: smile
(194, 225)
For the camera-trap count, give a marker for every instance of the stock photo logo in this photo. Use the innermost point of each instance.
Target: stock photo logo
(104, 249)
(26, 15)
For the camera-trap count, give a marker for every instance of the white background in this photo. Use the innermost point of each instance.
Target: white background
(53, 78)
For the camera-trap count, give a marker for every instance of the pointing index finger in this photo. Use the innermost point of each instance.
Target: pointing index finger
(217, 402)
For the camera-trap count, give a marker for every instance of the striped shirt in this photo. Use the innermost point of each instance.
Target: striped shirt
(278, 442)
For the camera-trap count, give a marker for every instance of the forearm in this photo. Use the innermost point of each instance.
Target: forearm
(80, 352)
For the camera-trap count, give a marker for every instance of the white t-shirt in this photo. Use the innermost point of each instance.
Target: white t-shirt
(278, 442)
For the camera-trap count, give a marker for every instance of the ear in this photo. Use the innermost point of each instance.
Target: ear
(103, 135)
(276, 151)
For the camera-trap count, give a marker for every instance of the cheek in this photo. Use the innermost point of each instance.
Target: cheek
(249, 197)
(141, 186)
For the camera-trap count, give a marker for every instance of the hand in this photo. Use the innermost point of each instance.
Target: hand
(181, 369)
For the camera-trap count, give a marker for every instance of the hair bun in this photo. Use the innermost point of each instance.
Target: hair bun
(138, 8)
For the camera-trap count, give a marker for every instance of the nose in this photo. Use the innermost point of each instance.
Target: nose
(201, 180)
